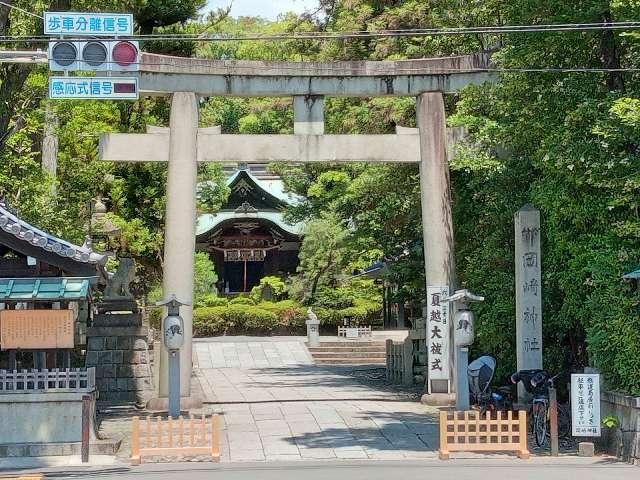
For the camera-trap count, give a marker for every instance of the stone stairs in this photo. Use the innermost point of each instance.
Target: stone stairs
(349, 353)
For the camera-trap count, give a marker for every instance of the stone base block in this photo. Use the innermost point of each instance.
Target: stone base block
(438, 399)
(118, 305)
(109, 446)
(142, 332)
(161, 404)
(586, 449)
(117, 320)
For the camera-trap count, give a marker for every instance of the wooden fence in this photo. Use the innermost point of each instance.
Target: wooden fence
(400, 361)
(472, 432)
(55, 380)
(181, 437)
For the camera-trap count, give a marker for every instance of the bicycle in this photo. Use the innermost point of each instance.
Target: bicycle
(537, 383)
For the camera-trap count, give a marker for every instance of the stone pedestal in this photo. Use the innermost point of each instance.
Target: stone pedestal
(121, 357)
(313, 332)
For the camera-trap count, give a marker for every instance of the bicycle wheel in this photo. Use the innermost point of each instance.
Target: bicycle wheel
(540, 424)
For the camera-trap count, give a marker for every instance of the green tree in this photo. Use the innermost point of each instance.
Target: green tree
(205, 275)
(322, 256)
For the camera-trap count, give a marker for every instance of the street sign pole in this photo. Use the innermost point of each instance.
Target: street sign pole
(97, 49)
(174, 383)
(553, 420)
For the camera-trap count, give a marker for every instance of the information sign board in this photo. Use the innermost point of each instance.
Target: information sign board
(36, 329)
(92, 88)
(585, 405)
(90, 24)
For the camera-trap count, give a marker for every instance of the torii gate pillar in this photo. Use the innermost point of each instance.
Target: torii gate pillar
(437, 223)
(180, 235)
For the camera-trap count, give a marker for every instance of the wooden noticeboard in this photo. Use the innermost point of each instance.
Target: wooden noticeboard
(36, 329)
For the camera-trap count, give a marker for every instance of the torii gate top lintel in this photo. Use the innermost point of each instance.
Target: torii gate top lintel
(160, 75)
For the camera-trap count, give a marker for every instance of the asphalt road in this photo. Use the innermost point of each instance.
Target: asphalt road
(460, 469)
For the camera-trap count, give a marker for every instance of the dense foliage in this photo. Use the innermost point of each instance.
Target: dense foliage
(566, 141)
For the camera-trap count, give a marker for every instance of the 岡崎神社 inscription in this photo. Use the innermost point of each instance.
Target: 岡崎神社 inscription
(528, 288)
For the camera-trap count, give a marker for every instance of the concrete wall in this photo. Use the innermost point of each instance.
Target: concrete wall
(42, 418)
(624, 442)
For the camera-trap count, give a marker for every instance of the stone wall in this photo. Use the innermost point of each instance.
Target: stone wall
(42, 424)
(121, 357)
(623, 442)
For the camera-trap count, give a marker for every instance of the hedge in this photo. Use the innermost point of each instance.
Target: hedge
(216, 316)
(233, 319)
(284, 317)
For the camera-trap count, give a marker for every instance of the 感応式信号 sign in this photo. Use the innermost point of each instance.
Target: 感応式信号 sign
(107, 88)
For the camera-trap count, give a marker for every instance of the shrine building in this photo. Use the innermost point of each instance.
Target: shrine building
(46, 289)
(249, 239)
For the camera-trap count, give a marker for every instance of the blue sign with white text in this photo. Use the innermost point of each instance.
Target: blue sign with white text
(93, 88)
(72, 23)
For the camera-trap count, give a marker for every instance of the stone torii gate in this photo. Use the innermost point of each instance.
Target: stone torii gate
(183, 144)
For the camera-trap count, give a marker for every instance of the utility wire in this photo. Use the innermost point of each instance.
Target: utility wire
(328, 70)
(21, 10)
(417, 32)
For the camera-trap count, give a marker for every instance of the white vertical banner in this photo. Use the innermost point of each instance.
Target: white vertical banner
(438, 333)
(585, 404)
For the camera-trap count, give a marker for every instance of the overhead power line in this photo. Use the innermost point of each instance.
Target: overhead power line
(18, 9)
(310, 35)
(41, 57)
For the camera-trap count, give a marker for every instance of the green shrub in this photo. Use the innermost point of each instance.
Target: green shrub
(334, 298)
(241, 301)
(289, 312)
(278, 287)
(209, 322)
(328, 316)
(250, 317)
(288, 316)
(211, 300)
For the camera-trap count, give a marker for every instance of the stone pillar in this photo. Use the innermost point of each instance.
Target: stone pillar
(437, 224)
(528, 291)
(180, 229)
(308, 115)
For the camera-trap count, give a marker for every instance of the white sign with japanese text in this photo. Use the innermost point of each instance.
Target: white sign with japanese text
(438, 333)
(77, 24)
(90, 88)
(585, 405)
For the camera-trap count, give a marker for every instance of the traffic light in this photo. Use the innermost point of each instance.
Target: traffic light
(96, 55)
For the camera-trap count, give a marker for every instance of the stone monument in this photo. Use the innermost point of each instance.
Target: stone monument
(528, 291)
(313, 329)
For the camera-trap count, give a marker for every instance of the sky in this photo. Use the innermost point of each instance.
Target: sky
(268, 9)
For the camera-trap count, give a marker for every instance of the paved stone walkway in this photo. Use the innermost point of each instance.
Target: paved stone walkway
(277, 405)
(246, 369)
(280, 431)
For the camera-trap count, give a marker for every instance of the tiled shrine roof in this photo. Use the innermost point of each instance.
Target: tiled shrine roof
(45, 289)
(34, 237)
